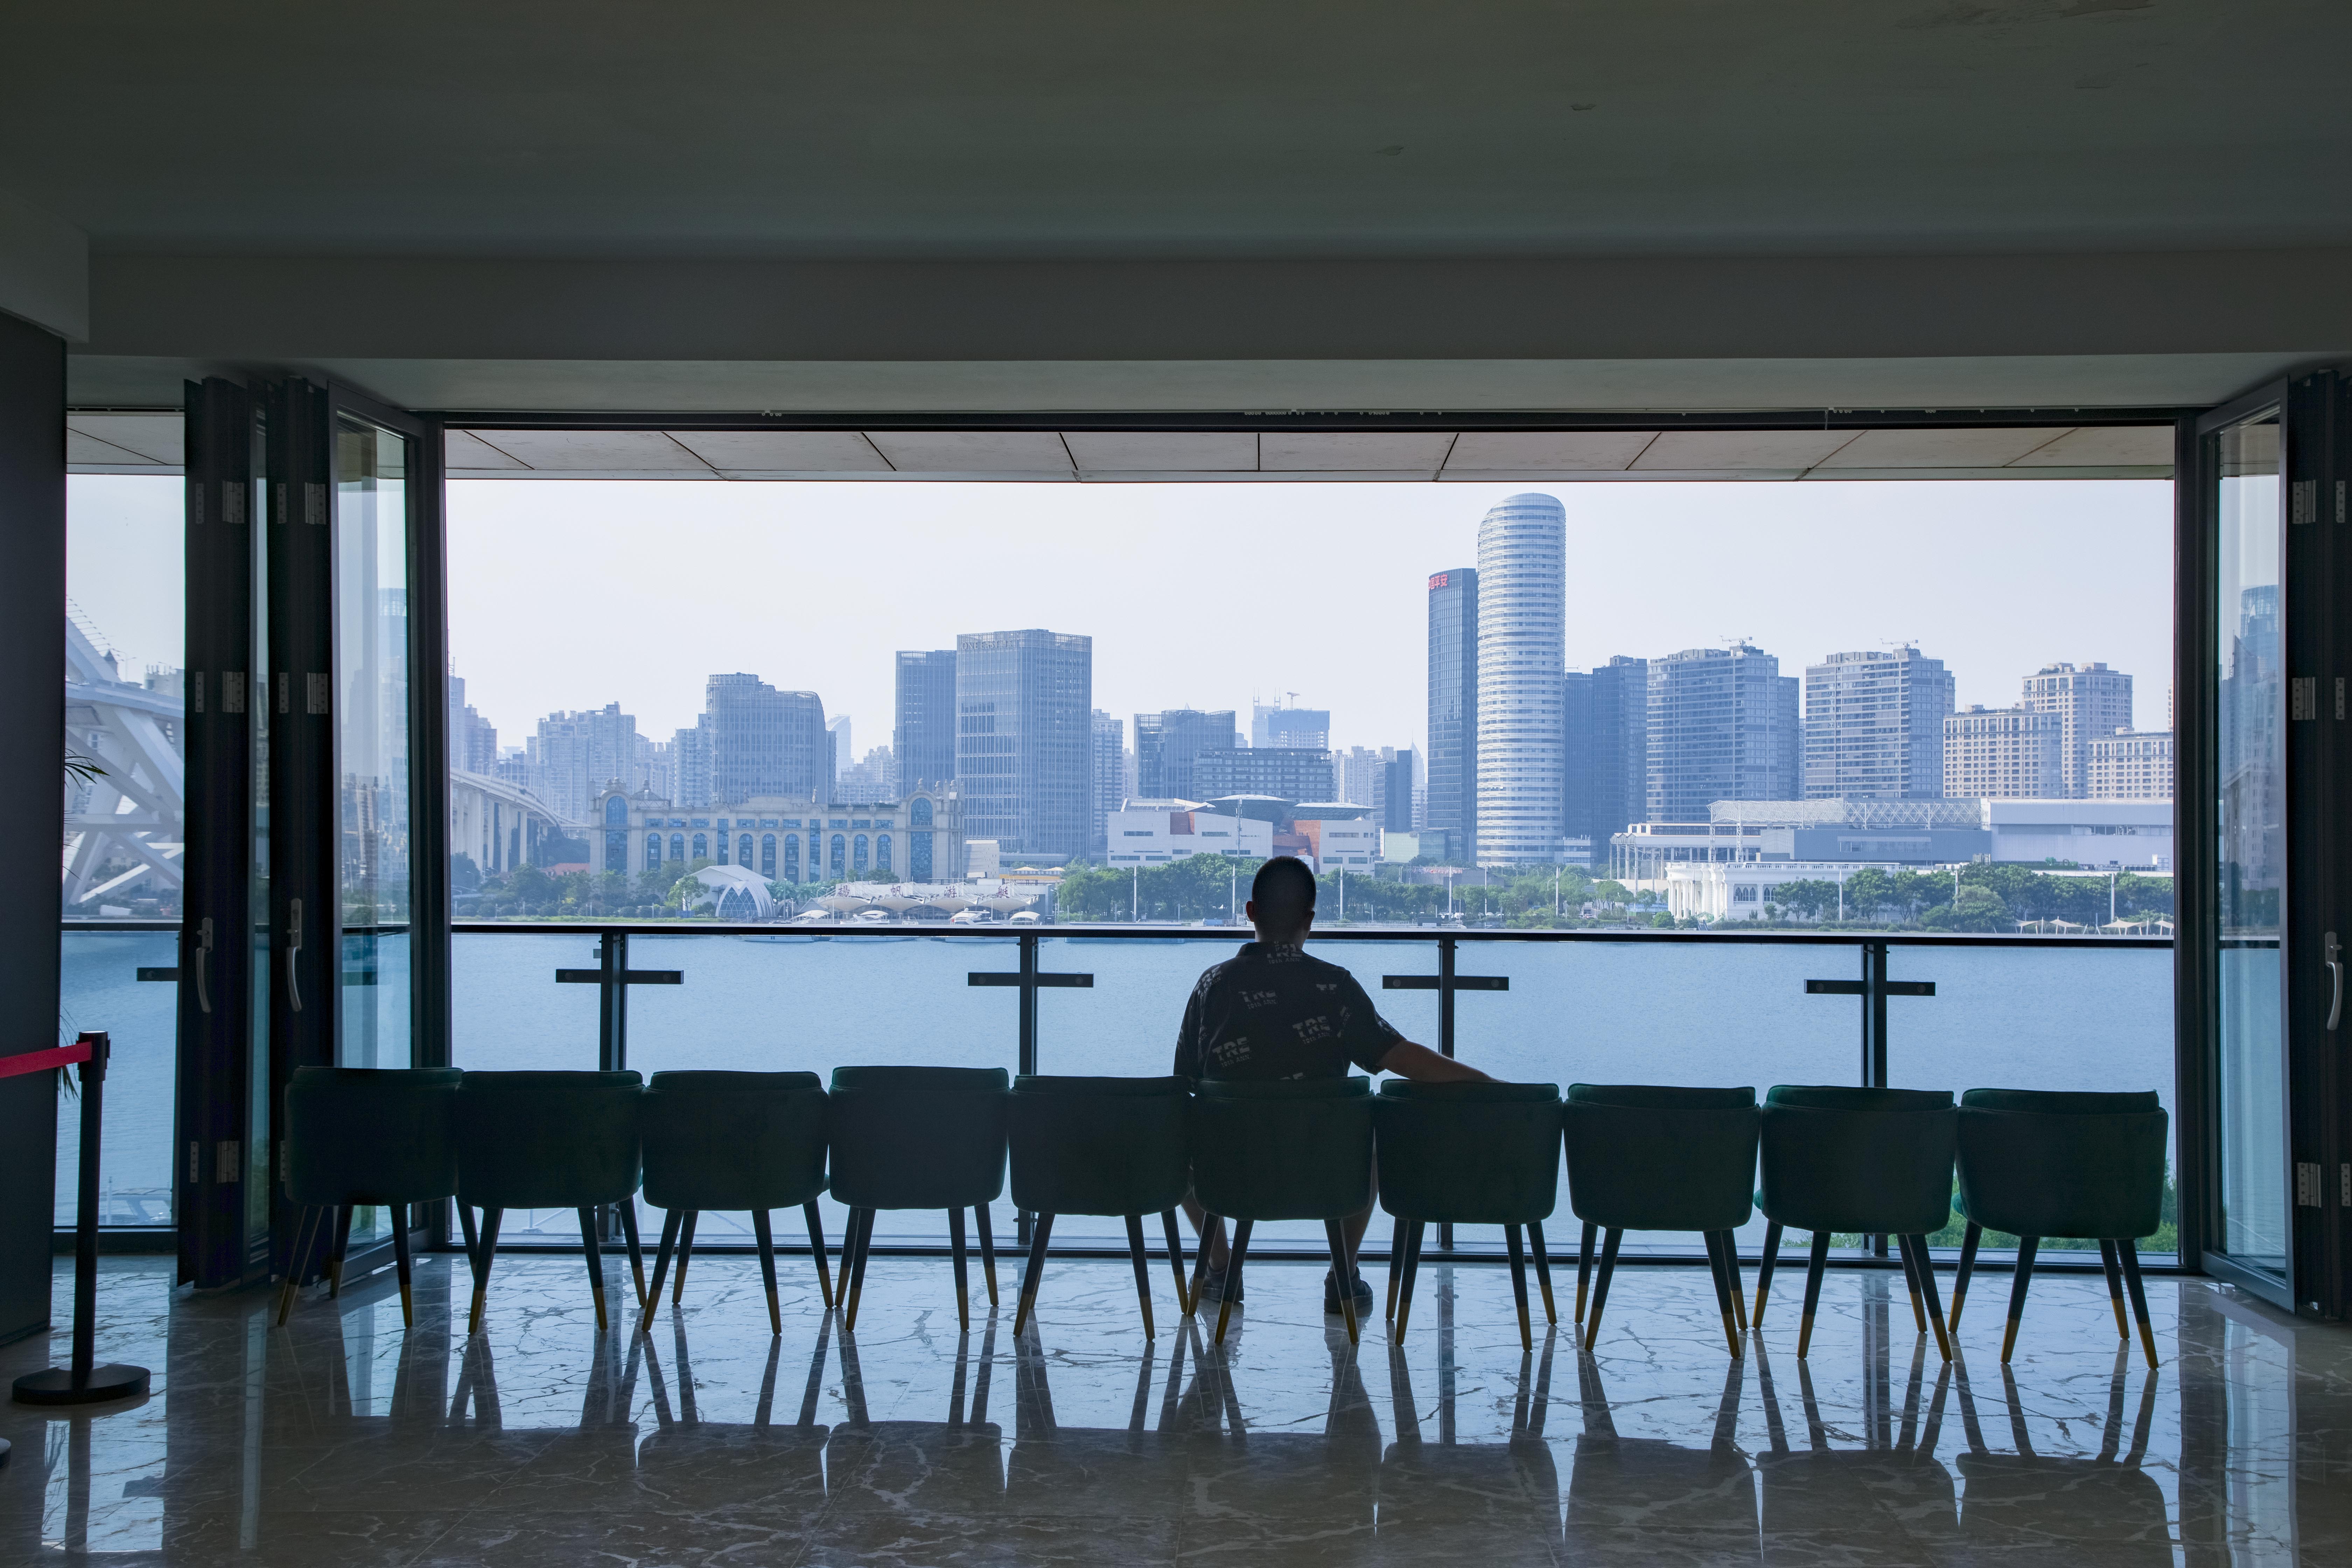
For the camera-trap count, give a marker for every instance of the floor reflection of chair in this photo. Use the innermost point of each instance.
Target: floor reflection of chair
(1274, 1495)
(2026, 1508)
(1137, 1471)
(1625, 1493)
(718, 1464)
(950, 1469)
(1890, 1492)
(1493, 1503)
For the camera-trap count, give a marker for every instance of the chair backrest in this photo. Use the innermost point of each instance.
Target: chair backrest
(1842, 1158)
(935, 1080)
(917, 1138)
(734, 1140)
(1283, 1149)
(548, 1139)
(2039, 1163)
(1660, 1156)
(1472, 1153)
(372, 1135)
(1099, 1145)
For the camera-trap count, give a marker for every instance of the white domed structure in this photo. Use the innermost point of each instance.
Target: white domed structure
(735, 893)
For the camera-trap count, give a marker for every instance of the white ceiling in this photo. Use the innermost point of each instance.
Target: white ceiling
(149, 444)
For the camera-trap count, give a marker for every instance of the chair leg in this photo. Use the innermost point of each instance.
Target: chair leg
(987, 1251)
(1970, 1237)
(671, 1221)
(1396, 1266)
(1519, 1284)
(485, 1252)
(685, 1252)
(342, 1248)
(816, 1250)
(2127, 1252)
(1911, 1283)
(1815, 1266)
(2114, 1271)
(1039, 1230)
(1176, 1260)
(628, 1208)
(962, 1284)
(400, 1262)
(1723, 1288)
(1923, 1270)
(1543, 1269)
(1142, 1273)
(1607, 1267)
(306, 1225)
(1764, 1268)
(1731, 1276)
(1213, 1230)
(1343, 1273)
(1584, 1267)
(1413, 1234)
(861, 1230)
(1233, 1275)
(767, 1241)
(594, 1252)
(466, 1224)
(2026, 1246)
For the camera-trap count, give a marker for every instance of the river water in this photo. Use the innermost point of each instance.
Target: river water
(2078, 1017)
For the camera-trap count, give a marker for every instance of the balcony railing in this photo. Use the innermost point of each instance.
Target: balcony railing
(2029, 1012)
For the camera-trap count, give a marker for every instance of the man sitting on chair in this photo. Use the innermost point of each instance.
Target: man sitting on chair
(1272, 1012)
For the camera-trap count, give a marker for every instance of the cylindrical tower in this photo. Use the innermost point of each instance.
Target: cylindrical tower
(1522, 641)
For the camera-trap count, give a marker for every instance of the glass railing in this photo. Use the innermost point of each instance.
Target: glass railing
(99, 988)
(2058, 1013)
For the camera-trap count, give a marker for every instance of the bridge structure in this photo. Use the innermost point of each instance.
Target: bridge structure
(125, 833)
(500, 825)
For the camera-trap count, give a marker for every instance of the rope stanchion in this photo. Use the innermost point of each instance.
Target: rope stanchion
(83, 1382)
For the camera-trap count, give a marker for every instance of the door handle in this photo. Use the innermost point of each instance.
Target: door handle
(294, 957)
(204, 956)
(2336, 980)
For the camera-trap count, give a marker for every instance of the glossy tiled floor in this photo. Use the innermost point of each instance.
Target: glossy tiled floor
(343, 1439)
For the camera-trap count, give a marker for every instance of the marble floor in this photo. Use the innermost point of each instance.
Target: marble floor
(344, 1439)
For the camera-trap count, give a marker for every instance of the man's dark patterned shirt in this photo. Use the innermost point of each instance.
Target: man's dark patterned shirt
(1273, 1011)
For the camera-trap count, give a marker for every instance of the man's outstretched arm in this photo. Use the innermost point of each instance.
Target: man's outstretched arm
(1425, 1066)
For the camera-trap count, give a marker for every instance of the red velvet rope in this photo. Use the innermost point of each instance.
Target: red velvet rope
(42, 1061)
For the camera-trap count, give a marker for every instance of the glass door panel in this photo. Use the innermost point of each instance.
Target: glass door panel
(372, 504)
(2249, 1037)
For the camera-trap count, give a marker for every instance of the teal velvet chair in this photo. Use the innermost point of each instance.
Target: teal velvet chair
(1468, 1154)
(1874, 1161)
(549, 1140)
(735, 1141)
(1283, 1149)
(363, 1137)
(2038, 1163)
(917, 1138)
(1113, 1146)
(1654, 1157)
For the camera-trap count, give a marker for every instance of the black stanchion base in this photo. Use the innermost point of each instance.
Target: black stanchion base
(58, 1385)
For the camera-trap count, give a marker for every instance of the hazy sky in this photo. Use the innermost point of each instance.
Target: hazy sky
(574, 594)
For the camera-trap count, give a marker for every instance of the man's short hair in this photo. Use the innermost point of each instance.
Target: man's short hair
(1284, 891)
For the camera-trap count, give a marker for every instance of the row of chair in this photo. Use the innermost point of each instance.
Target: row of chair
(1638, 1158)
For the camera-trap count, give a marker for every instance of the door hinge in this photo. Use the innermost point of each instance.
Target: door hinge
(2307, 1190)
(2303, 696)
(2303, 502)
(2346, 1199)
(228, 1168)
(193, 1178)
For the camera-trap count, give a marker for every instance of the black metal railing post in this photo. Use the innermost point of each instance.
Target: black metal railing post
(1873, 988)
(1029, 982)
(612, 977)
(1445, 983)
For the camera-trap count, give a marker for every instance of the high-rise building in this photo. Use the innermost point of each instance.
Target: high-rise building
(1522, 639)
(575, 755)
(841, 754)
(1452, 807)
(1400, 787)
(1617, 748)
(1286, 772)
(2090, 701)
(1723, 726)
(2012, 754)
(1874, 725)
(473, 740)
(2132, 765)
(1167, 743)
(1302, 729)
(1106, 777)
(1579, 830)
(765, 741)
(874, 778)
(1025, 736)
(689, 752)
(924, 738)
